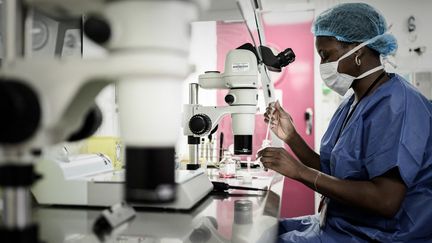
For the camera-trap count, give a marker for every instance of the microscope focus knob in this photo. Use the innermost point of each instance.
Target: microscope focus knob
(92, 122)
(21, 111)
(229, 99)
(97, 29)
(200, 124)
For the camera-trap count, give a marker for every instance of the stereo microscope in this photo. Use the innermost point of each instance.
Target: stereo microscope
(240, 77)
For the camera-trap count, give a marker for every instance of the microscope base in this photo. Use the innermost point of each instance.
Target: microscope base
(30, 234)
(192, 186)
(106, 188)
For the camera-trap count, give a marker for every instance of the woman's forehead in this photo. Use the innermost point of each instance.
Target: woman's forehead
(328, 43)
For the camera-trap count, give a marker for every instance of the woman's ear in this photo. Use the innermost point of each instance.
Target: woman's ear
(352, 64)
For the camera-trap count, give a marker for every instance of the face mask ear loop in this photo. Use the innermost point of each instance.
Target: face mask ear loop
(370, 72)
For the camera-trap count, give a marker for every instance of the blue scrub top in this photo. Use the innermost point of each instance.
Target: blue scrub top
(391, 128)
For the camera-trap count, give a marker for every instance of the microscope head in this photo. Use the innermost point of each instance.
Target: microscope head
(241, 72)
(241, 79)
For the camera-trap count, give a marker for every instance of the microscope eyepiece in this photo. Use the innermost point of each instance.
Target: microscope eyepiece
(243, 144)
(286, 57)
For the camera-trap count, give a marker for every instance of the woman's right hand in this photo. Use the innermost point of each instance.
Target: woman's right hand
(281, 122)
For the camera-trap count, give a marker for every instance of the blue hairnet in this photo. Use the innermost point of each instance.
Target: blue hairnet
(356, 22)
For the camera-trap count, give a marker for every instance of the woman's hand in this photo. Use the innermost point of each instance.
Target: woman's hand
(281, 122)
(278, 159)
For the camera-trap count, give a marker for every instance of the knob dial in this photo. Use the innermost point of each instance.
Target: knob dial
(200, 124)
(229, 99)
(21, 110)
(97, 29)
(92, 122)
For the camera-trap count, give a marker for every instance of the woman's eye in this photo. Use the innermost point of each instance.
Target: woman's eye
(324, 58)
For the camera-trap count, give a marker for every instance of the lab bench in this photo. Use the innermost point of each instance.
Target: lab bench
(235, 216)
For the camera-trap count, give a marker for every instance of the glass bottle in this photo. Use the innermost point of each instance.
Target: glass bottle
(227, 166)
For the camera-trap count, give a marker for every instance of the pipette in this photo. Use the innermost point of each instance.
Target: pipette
(268, 128)
(267, 141)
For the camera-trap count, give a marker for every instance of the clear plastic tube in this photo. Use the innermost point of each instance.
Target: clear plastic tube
(266, 142)
(269, 125)
(268, 129)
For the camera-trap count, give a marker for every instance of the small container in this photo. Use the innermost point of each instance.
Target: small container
(265, 143)
(242, 227)
(243, 211)
(227, 166)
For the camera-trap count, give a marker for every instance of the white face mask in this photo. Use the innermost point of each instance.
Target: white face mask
(341, 82)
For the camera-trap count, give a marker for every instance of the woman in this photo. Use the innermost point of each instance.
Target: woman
(375, 163)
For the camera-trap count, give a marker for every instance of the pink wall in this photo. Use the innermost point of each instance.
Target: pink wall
(296, 83)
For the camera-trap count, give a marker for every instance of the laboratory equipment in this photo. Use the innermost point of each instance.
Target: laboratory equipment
(266, 140)
(69, 174)
(112, 218)
(221, 143)
(242, 67)
(241, 79)
(243, 220)
(49, 100)
(272, 62)
(265, 143)
(227, 166)
(92, 180)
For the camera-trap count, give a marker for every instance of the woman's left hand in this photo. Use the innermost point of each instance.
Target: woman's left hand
(278, 159)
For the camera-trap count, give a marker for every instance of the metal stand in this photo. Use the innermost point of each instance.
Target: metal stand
(17, 227)
(193, 141)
